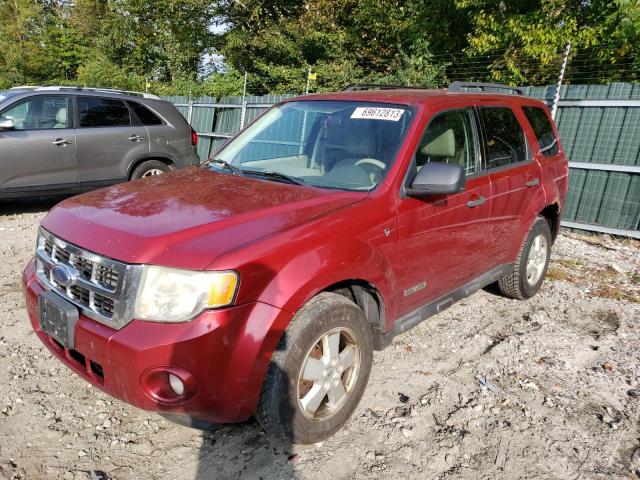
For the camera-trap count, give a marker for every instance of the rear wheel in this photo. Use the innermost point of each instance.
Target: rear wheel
(318, 372)
(150, 168)
(530, 267)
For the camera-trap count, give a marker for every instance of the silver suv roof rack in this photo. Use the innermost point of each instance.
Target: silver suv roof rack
(485, 88)
(86, 89)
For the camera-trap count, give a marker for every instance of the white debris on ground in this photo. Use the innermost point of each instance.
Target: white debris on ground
(559, 397)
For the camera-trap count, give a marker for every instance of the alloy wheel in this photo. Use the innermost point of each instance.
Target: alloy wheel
(537, 259)
(152, 172)
(329, 374)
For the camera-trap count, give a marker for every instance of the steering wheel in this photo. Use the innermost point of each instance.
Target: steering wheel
(371, 161)
(374, 175)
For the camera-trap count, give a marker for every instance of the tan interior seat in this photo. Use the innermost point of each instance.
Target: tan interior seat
(439, 147)
(61, 118)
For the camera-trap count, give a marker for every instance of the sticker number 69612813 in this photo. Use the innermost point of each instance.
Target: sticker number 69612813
(378, 113)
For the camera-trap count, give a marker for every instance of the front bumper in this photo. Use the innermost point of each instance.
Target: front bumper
(224, 352)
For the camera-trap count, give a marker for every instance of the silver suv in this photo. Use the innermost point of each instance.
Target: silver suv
(58, 140)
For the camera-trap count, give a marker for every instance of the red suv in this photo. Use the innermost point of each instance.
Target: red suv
(260, 283)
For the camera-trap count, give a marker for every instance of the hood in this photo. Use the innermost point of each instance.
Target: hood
(186, 219)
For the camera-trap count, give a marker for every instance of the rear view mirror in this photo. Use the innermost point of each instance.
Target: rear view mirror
(6, 124)
(437, 179)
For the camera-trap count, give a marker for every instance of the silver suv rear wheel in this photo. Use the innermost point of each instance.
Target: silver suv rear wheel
(150, 168)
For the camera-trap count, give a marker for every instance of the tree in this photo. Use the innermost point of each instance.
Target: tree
(340, 40)
(522, 40)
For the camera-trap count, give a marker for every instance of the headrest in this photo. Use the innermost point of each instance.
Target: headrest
(61, 116)
(444, 145)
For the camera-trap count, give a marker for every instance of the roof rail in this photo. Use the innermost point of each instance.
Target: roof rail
(485, 87)
(86, 89)
(354, 87)
(122, 92)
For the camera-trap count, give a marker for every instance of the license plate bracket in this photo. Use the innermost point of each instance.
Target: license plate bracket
(58, 318)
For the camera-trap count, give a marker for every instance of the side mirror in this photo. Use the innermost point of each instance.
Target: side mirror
(437, 179)
(6, 124)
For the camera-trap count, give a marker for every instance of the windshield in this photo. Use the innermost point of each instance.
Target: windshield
(332, 144)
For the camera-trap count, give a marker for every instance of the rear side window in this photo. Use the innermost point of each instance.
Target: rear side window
(542, 128)
(504, 141)
(102, 112)
(146, 116)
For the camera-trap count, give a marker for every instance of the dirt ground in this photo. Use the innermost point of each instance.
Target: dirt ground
(566, 365)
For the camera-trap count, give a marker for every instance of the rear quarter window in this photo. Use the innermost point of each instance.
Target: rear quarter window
(543, 129)
(504, 138)
(146, 116)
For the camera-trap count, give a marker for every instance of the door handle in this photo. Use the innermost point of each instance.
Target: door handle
(475, 203)
(61, 142)
(533, 182)
(135, 138)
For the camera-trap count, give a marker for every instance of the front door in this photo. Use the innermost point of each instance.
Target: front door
(109, 140)
(442, 239)
(39, 152)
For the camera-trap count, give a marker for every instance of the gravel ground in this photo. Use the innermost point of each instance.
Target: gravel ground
(564, 402)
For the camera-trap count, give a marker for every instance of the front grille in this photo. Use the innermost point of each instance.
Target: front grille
(99, 286)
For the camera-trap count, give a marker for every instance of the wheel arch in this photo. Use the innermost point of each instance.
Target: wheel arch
(552, 214)
(366, 296)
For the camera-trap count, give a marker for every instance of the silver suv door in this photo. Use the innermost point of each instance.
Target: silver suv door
(107, 140)
(39, 152)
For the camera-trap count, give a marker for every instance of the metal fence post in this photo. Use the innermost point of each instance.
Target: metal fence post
(556, 95)
(190, 111)
(243, 112)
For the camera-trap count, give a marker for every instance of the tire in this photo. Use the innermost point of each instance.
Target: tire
(150, 168)
(523, 282)
(280, 409)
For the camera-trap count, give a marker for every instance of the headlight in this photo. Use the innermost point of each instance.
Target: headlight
(171, 295)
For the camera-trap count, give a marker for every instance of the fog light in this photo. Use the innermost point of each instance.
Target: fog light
(176, 384)
(168, 385)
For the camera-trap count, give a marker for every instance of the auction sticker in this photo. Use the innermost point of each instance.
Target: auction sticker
(376, 113)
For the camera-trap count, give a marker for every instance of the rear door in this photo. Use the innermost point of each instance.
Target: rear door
(515, 179)
(442, 239)
(547, 150)
(39, 153)
(108, 140)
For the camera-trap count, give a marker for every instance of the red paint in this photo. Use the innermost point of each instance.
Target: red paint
(288, 243)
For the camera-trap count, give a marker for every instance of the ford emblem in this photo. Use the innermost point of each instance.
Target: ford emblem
(63, 275)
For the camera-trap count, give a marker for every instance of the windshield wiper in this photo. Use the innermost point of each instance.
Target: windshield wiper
(235, 170)
(276, 176)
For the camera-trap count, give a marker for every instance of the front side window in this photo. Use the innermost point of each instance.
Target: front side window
(504, 140)
(541, 125)
(449, 138)
(39, 113)
(102, 112)
(333, 144)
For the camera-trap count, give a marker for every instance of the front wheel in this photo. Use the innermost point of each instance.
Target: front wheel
(318, 372)
(530, 268)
